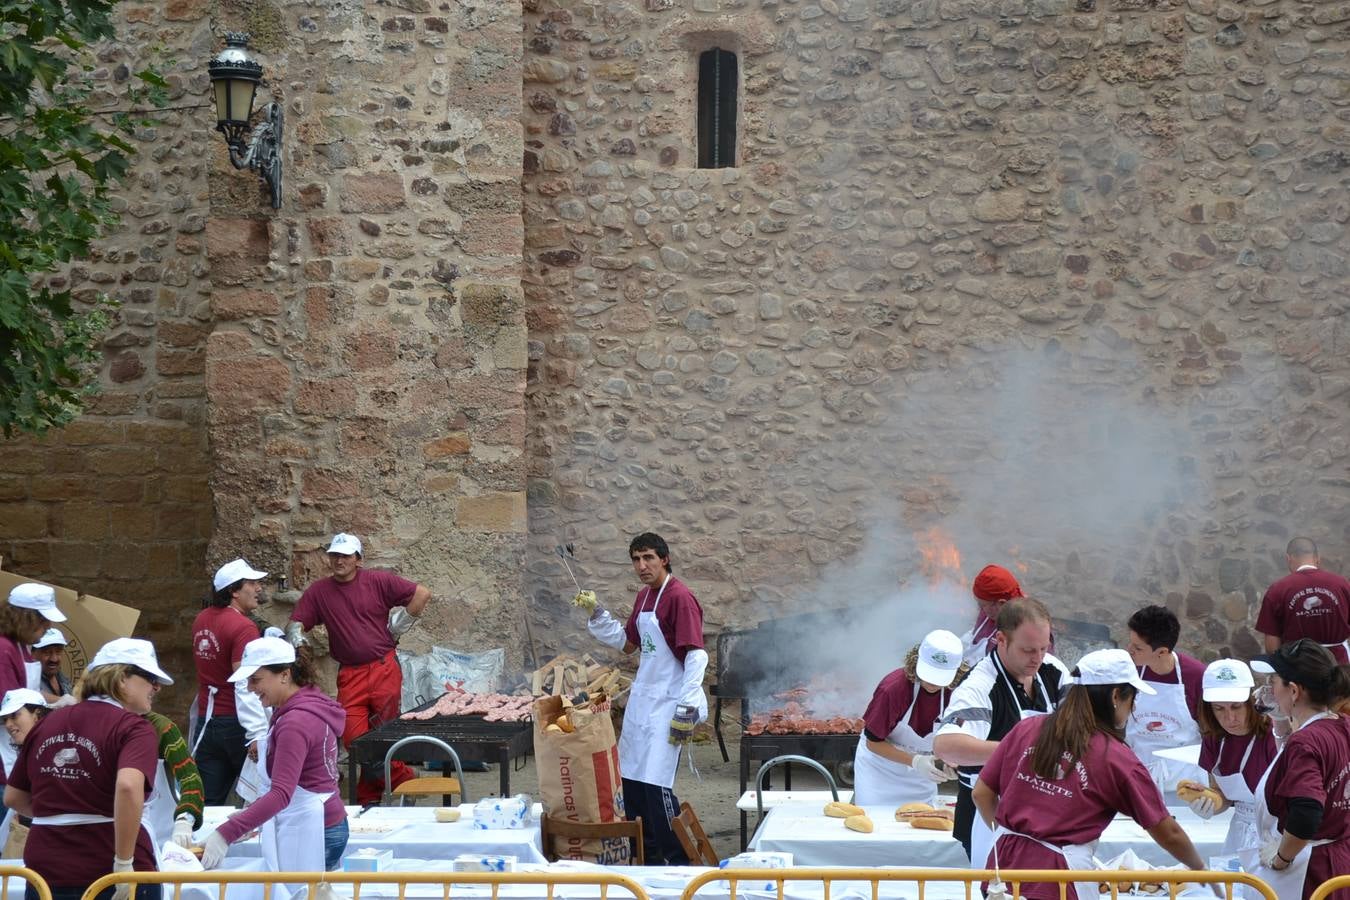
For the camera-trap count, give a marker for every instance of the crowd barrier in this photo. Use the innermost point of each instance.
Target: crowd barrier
(7, 872)
(612, 886)
(1326, 888)
(1173, 879)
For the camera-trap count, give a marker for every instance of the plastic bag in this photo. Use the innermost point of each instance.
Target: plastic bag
(425, 675)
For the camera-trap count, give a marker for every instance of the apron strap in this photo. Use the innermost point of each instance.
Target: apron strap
(73, 819)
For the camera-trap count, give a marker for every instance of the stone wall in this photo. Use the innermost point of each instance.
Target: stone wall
(365, 372)
(117, 503)
(789, 367)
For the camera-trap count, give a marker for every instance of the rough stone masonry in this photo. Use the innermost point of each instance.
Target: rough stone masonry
(502, 308)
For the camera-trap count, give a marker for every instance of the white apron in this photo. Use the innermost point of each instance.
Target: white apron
(1288, 882)
(981, 838)
(976, 641)
(9, 753)
(645, 751)
(292, 841)
(198, 728)
(1076, 857)
(33, 671)
(1161, 721)
(157, 814)
(878, 780)
(1242, 832)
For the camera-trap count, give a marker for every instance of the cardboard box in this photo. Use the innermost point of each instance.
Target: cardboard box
(367, 860)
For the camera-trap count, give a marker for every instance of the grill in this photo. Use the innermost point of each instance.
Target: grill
(471, 736)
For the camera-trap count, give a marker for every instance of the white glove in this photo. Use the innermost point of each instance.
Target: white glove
(606, 629)
(1204, 807)
(63, 701)
(1269, 851)
(123, 890)
(295, 633)
(213, 854)
(400, 620)
(273, 632)
(182, 830)
(691, 685)
(929, 768)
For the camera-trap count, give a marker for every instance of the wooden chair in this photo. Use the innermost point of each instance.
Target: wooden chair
(429, 785)
(550, 828)
(689, 831)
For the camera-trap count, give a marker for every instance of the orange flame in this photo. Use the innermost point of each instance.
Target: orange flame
(1014, 553)
(939, 559)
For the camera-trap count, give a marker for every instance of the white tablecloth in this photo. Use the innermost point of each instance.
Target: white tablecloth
(813, 839)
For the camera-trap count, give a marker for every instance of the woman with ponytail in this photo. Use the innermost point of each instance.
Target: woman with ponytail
(1055, 782)
(1303, 810)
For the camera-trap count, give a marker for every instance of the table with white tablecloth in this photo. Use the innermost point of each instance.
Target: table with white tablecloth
(814, 839)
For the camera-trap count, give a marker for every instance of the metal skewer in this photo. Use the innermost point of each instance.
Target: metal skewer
(564, 551)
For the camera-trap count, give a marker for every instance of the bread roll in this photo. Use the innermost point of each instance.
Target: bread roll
(554, 729)
(446, 814)
(565, 724)
(1189, 791)
(859, 823)
(836, 810)
(932, 823)
(909, 810)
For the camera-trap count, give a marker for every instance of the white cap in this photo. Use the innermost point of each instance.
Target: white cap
(346, 544)
(18, 698)
(1227, 681)
(52, 637)
(1111, 667)
(263, 651)
(236, 570)
(939, 657)
(40, 597)
(131, 652)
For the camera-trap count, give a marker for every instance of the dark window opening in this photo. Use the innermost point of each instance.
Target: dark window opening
(717, 79)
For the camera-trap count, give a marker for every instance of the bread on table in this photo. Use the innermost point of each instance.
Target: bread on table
(923, 815)
(837, 810)
(859, 823)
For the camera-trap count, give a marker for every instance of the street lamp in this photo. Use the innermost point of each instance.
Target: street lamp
(235, 76)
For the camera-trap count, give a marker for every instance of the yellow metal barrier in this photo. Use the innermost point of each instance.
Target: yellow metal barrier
(1326, 888)
(606, 881)
(1172, 879)
(7, 872)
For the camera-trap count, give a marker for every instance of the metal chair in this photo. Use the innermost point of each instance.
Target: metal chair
(784, 760)
(550, 828)
(429, 784)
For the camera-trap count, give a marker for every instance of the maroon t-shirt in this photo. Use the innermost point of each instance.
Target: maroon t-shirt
(892, 699)
(13, 655)
(678, 615)
(1316, 764)
(1310, 603)
(1229, 757)
(1192, 677)
(1074, 809)
(356, 613)
(218, 638)
(68, 764)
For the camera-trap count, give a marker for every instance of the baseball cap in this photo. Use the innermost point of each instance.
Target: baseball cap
(1227, 681)
(939, 657)
(40, 597)
(346, 544)
(131, 652)
(263, 651)
(52, 637)
(18, 698)
(1282, 661)
(1112, 666)
(236, 570)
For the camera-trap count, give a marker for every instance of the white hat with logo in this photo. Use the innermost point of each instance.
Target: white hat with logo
(1111, 667)
(939, 657)
(236, 570)
(52, 637)
(263, 651)
(40, 597)
(18, 698)
(130, 652)
(1227, 681)
(346, 544)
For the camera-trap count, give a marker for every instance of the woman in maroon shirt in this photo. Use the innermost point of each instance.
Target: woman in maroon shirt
(1056, 781)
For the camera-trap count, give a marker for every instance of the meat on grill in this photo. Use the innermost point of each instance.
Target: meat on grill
(492, 707)
(794, 718)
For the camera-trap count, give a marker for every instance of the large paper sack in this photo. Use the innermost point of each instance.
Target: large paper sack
(579, 778)
(90, 622)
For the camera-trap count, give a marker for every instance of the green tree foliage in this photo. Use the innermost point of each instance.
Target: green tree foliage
(59, 162)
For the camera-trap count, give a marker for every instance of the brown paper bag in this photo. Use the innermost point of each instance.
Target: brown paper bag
(90, 621)
(579, 777)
